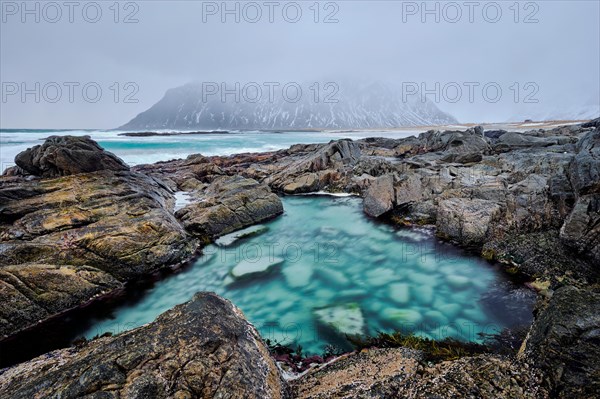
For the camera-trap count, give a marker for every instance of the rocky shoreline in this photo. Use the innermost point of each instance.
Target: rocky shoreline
(77, 225)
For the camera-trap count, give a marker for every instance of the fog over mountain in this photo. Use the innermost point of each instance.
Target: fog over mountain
(313, 105)
(154, 46)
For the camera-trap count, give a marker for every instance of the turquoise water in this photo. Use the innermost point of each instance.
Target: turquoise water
(138, 150)
(334, 271)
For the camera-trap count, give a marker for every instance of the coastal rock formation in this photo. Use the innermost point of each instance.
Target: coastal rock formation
(229, 203)
(34, 292)
(529, 200)
(95, 225)
(379, 197)
(564, 343)
(393, 373)
(467, 220)
(581, 230)
(67, 155)
(112, 225)
(201, 349)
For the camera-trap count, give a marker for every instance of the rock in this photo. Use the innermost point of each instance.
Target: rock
(463, 158)
(250, 268)
(581, 230)
(228, 204)
(344, 319)
(584, 172)
(379, 196)
(230, 239)
(67, 155)
(93, 230)
(457, 281)
(466, 220)
(399, 372)
(450, 310)
(298, 274)
(303, 184)
(409, 190)
(563, 342)
(423, 294)
(363, 375)
(203, 348)
(407, 319)
(454, 142)
(593, 123)
(399, 293)
(34, 292)
(513, 140)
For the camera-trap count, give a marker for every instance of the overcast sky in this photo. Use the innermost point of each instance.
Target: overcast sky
(555, 60)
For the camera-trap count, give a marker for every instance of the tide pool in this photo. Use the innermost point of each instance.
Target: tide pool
(323, 270)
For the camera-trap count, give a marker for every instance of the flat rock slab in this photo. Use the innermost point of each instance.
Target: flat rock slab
(248, 268)
(228, 204)
(232, 238)
(344, 319)
(202, 349)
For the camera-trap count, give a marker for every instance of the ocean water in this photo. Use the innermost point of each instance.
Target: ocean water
(323, 269)
(140, 150)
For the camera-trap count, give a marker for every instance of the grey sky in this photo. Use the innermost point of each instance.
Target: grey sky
(171, 45)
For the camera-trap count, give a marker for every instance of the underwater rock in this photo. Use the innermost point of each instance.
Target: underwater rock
(344, 319)
(247, 268)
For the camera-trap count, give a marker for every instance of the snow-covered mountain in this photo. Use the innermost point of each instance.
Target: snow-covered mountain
(358, 106)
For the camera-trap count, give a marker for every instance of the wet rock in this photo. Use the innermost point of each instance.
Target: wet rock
(230, 239)
(67, 155)
(94, 231)
(344, 319)
(201, 349)
(399, 293)
(563, 342)
(228, 204)
(252, 268)
(116, 221)
(34, 292)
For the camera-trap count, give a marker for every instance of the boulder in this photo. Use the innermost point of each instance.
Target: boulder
(563, 342)
(379, 197)
(67, 155)
(466, 221)
(204, 348)
(229, 203)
